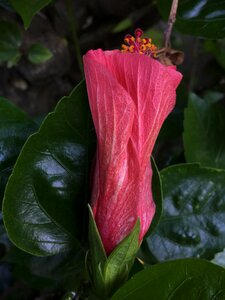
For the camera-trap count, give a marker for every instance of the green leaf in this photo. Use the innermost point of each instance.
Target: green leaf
(15, 127)
(187, 279)
(47, 194)
(27, 9)
(219, 259)
(122, 25)
(204, 129)
(216, 47)
(203, 18)
(10, 42)
(156, 36)
(157, 196)
(212, 97)
(193, 220)
(37, 54)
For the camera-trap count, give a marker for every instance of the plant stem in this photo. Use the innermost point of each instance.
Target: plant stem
(73, 28)
(171, 21)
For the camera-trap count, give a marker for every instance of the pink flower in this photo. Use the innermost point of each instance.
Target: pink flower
(130, 96)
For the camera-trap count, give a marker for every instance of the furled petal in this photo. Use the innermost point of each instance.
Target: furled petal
(130, 96)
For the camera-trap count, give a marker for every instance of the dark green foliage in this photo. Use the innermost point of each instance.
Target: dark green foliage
(10, 42)
(27, 9)
(203, 18)
(204, 129)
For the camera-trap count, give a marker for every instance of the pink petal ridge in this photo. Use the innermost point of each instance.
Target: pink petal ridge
(130, 96)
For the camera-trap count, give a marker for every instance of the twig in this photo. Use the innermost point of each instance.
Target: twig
(171, 21)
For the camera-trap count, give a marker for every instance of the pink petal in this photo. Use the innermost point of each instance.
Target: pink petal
(130, 96)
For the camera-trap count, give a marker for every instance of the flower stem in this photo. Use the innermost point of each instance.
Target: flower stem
(73, 28)
(171, 21)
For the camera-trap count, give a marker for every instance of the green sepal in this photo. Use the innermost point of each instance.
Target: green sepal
(97, 256)
(96, 245)
(108, 273)
(120, 261)
(157, 193)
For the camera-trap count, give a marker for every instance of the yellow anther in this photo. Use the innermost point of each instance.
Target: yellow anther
(142, 47)
(124, 47)
(131, 48)
(136, 44)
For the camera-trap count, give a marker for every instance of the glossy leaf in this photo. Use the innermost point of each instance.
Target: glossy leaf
(188, 279)
(46, 195)
(193, 220)
(37, 54)
(203, 18)
(10, 42)
(15, 127)
(204, 129)
(27, 9)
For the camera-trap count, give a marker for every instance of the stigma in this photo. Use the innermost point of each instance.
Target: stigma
(137, 44)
